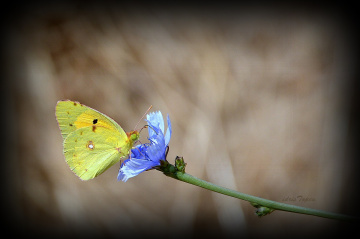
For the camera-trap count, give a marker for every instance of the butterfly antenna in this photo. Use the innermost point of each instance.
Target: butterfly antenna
(143, 116)
(147, 126)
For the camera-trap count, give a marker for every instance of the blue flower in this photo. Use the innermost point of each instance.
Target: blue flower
(147, 156)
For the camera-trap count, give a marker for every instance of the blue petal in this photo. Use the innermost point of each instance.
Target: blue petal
(138, 151)
(168, 131)
(156, 121)
(134, 167)
(156, 151)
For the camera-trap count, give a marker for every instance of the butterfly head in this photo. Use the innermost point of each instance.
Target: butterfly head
(133, 135)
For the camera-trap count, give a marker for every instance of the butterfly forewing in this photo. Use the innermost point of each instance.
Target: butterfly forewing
(72, 115)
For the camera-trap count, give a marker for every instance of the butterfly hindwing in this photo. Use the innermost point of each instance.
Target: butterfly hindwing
(89, 151)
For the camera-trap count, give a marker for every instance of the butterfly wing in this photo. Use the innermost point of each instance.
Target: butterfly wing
(93, 142)
(72, 115)
(89, 151)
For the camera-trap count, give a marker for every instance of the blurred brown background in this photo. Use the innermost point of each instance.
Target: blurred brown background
(257, 100)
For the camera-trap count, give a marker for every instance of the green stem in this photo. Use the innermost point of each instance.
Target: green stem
(182, 176)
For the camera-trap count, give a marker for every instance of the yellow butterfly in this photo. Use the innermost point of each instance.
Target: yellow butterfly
(93, 142)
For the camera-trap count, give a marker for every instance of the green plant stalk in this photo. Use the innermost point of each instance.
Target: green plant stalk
(182, 176)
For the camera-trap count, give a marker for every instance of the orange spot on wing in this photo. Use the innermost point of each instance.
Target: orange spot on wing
(90, 145)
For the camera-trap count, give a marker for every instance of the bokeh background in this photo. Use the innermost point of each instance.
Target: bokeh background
(258, 100)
